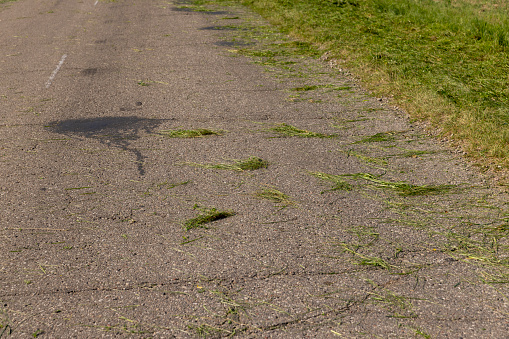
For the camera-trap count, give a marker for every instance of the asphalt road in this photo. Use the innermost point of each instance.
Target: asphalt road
(94, 197)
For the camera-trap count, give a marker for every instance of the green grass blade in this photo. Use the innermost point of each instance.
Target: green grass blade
(338, 183)
(285, 130)
(206, 216)
(189, 133)
(249, 164)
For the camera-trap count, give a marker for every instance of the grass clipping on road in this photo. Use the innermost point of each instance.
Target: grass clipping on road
(444, 61)
(189, 133)
(239, 165)
(206, 216)
(285, 130)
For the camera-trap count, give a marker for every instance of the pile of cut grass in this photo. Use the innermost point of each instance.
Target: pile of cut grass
(189, 133)
(400, 187)
(379, 137)
(285, 130)
(443, 61)
(276, 196)
(338, 183)
(206, 216)
(249, 164)
(368, 160)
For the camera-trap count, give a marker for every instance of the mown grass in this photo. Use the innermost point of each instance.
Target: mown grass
(206, 216)
(315, 87)
(338, 183)
(276, 196)
(400, 187)
(189, 133)
(379, 137)
(365, 260)
(285, 130)
(249, 164)
(367, 159)
(444, 61)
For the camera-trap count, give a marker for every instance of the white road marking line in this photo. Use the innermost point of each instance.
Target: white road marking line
(52, 76)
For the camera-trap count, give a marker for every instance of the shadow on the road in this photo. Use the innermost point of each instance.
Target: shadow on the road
(111, 131)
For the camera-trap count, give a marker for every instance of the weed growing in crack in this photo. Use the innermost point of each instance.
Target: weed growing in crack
(206, 216)
(37, 333)
(249, 164)
(338, 184)
(189, 133)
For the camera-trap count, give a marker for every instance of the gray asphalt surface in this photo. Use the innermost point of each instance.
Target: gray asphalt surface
(93, 196)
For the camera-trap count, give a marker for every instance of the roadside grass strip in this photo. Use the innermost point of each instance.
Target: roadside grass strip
(189, 133)
(285, 130)
(249, 164)
(206, 216)
(442, 61)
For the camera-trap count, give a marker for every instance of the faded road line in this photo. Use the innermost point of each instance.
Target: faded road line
(52, 76)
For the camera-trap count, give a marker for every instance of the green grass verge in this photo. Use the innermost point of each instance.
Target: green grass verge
(444, 61)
